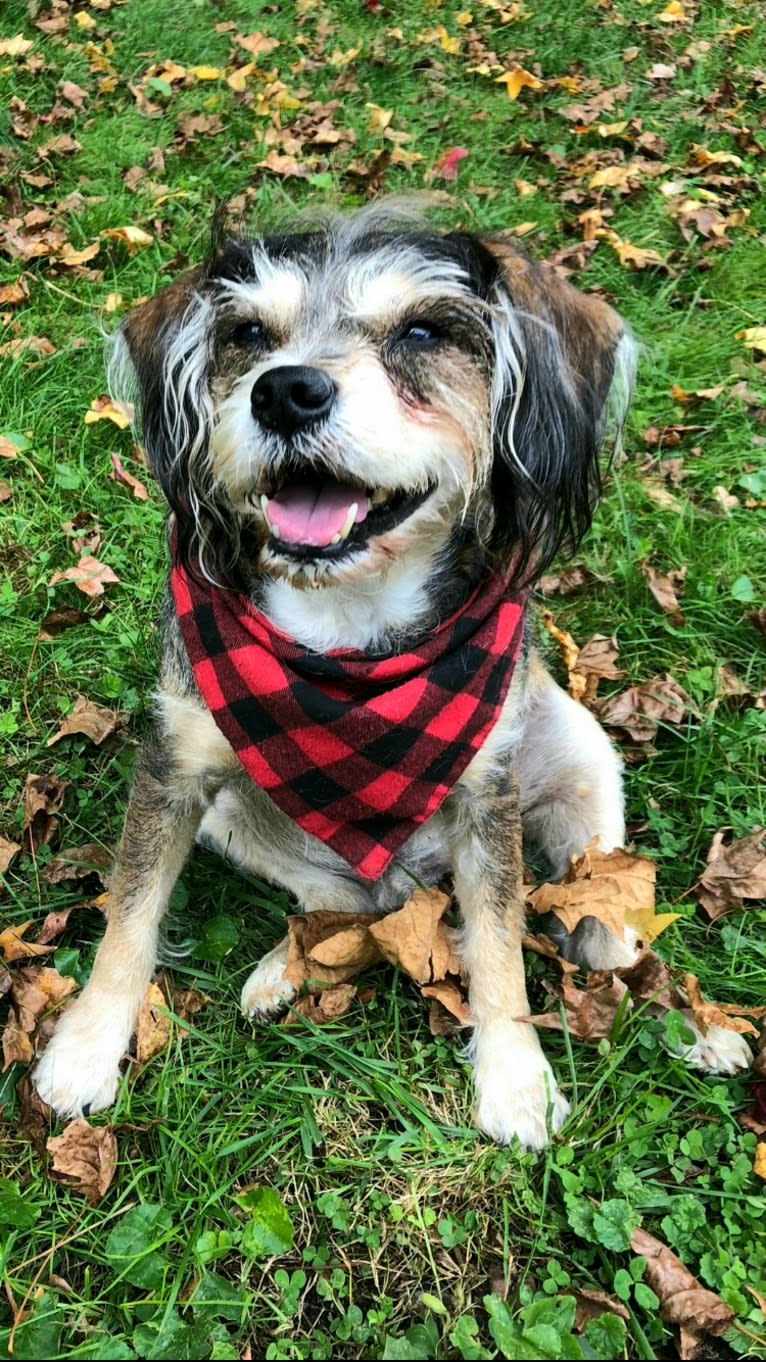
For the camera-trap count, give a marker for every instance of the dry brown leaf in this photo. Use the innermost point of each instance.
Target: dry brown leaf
(734, 872)
(43, 799)
(14, 947)
(78, 864)
(57, 920)
(451, 998)
(154, 1026)
(596, 661)
(309, 932)
(683, 1300)
(84, 1158)
(666, 588)
(729, 1015)
(639, 710)
(185, 1003)
(604, 885)
(569, 649)
(89, 576)
(324, 1005)
(120, 474)
(57, 621)
(590, 1011)
(94, 721)
(12, 295)
(416, 940)
(34, 992)
(569, 581)
(593, 1304)
(134, 238)
(8, 851)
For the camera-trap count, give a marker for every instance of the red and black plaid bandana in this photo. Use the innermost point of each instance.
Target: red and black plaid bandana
(358, 751)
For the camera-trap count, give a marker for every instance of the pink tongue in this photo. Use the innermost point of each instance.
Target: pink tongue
(313, 513)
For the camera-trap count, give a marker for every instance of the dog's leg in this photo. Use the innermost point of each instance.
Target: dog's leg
(515, 1087)
(80, 1068)
(243, 835)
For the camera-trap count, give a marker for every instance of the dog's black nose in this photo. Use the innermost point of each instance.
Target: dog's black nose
(292, 397)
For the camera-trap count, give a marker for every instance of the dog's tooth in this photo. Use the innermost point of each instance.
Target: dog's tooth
(348, 523)
(265, 509)
(335, 539)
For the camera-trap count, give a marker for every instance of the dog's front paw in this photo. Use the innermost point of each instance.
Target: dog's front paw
(519, 1096)
(719, 1051)
(267, 991)
(80, 1069)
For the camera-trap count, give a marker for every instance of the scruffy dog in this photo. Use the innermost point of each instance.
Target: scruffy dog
(373, 438)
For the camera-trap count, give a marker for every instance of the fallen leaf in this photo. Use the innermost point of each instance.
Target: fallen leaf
(683, 1300)
(594, 1304)
(154, 1026)
(308, 932)
(604, 885)
(121, 474)
(590, 1012)
(569, 649)
(57, 920)
(14, 947)
(106, 409)
(754, 338)
(665, 587)
(323, 1006)
(639, 710)
(759, 1168)
(12, 295)
(729, 1015)
(64, 145)
(35, 992)
(569, 581)
(134, 238)
(43, 799)
(15, 47)
(84, 1158)
(8, 852)
(59, 620)
(596, 661)
(89, 576)
(416, 940)
(78, 864)
(446, 165)
(96, 722)
(516, 80)
(735, 872)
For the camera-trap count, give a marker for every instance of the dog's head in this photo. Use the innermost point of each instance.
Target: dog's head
(325, 402)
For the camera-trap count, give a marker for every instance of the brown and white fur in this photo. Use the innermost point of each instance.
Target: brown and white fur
(463, 391)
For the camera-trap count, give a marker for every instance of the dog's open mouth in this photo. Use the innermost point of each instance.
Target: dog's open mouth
(317, 516)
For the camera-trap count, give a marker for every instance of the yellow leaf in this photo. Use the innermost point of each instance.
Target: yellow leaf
(206, 72)
(754, 338)
(69, 256)
(15, 47)
(448, 44)
(135, 238)
(237, 80)
(611, 129)
(397, 34)
(464, 18)
(673, 13)
(104, 409)
(518, 79)
(759, 1167)
(379, 118)
(522, 229)
(401, 157)
(648, 924)
(341, 58)
(84, 20)
(113, 302)
(611, 177)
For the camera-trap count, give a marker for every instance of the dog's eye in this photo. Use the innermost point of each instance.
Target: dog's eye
(419, 332)
(250, 335)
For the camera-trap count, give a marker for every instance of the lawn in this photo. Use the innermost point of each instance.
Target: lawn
(311, 1192)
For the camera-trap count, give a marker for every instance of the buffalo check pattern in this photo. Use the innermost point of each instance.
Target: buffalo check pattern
(358, 751)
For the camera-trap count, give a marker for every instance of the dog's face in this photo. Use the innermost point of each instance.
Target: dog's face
(339, 399)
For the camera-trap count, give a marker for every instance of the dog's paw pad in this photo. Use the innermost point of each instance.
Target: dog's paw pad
(719, 1051)
(267, 991)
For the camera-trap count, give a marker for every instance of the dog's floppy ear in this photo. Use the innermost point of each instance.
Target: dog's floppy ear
(563, 359)
(160, 361)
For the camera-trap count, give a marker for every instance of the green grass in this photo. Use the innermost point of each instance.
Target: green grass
(404, 1218)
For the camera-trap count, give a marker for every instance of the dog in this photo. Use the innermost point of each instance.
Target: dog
(373, 437)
